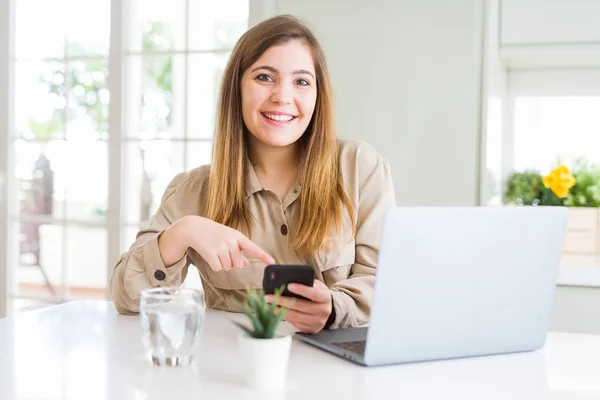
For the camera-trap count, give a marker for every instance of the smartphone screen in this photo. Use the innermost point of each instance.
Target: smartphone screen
(277, 275)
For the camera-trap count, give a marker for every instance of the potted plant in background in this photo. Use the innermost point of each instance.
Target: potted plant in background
(583, 200)
(264, 352)
(524, 188)
(579, 190)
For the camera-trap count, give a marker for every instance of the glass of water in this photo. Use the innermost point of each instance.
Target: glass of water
(172, 319)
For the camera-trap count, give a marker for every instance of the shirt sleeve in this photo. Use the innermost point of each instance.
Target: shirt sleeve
(352, 297)
(141, 266)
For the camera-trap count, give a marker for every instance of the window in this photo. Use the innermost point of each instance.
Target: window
(64, 141)
(555, 117)
(539, 117)
(552, 128)
(534, 119)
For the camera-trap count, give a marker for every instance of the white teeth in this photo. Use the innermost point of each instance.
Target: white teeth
(280, 118)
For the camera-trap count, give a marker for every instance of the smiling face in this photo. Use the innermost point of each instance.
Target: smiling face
(279, 93)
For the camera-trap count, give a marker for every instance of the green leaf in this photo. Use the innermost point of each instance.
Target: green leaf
(272, 327)
(263, 307)
(586, 192)
(265, 317)
(273, 307)
(271, 311)
(258, 325)
(249, 332)
(525, 187)
(254, 300)
(257, 299)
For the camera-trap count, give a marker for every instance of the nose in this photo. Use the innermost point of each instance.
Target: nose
(282, 94)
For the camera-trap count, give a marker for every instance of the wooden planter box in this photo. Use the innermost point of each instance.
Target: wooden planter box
(583, 231)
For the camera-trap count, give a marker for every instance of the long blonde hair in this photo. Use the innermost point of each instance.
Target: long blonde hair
(322, 191)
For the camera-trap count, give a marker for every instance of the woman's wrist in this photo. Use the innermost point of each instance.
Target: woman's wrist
(174, 242)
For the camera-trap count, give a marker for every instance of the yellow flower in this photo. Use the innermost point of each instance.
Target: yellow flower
(559, 180)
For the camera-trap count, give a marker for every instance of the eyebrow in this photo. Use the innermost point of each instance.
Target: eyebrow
(275, 71)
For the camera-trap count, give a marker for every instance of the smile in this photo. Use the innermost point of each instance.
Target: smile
(278, 117)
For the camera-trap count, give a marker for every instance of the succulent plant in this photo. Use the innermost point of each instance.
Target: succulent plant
(265, 317)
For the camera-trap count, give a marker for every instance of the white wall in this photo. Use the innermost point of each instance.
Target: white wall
(407, 79)
(534, 22)
(550, 33)
(576, 309)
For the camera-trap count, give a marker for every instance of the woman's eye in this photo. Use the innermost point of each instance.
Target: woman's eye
(264, 78)
(303, 82)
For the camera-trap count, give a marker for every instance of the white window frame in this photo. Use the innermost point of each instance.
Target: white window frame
(6, 107)
(258, 11)
(582, 81)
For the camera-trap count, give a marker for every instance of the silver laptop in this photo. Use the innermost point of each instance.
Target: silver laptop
(456, 282)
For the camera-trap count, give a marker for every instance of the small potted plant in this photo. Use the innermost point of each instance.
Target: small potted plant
(264, 352)
(583, 200)
(578, 189)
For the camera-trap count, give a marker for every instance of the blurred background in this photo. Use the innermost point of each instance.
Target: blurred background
(166, 72)
(473, 102)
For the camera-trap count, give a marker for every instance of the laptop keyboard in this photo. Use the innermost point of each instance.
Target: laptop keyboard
(355, 346)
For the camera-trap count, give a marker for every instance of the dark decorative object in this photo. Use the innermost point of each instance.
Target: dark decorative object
(37, 200)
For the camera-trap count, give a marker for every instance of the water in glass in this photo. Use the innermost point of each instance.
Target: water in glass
(172, 320)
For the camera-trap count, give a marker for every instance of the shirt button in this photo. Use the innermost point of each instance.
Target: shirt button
(284, 229)
(160, 275)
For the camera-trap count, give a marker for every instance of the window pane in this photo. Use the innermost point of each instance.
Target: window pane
(492, 191)
(39, 268)
(205, 72)
(198, 153)
(42, 189)
(88, 99)
(88, 27)
(40, 98)
(157, 25)
(62, 177)
(42, 28)
(552, 128)
(149, 167)
(217, 24)
(83, 166)
(155, 94)
(41, 16)
(86, 262)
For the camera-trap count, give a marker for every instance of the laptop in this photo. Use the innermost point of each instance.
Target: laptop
(456, 282)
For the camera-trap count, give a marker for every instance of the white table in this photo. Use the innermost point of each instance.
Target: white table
(85, 350)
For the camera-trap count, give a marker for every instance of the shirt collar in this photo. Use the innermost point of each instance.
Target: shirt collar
(253, 185)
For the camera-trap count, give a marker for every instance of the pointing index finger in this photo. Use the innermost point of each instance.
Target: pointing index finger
(251, 248)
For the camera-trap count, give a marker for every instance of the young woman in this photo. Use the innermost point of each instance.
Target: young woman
(281, 189)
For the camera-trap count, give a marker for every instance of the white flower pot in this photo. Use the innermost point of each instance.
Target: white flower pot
(265, 361)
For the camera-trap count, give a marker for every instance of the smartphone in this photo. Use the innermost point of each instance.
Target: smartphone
(277, 275)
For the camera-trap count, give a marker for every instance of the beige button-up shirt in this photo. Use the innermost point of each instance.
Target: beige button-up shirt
(347, 269)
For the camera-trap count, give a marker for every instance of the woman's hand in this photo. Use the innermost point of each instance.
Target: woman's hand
(307, 315)
(220, 246)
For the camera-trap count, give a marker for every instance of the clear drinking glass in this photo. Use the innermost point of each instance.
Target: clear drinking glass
(172, 320)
